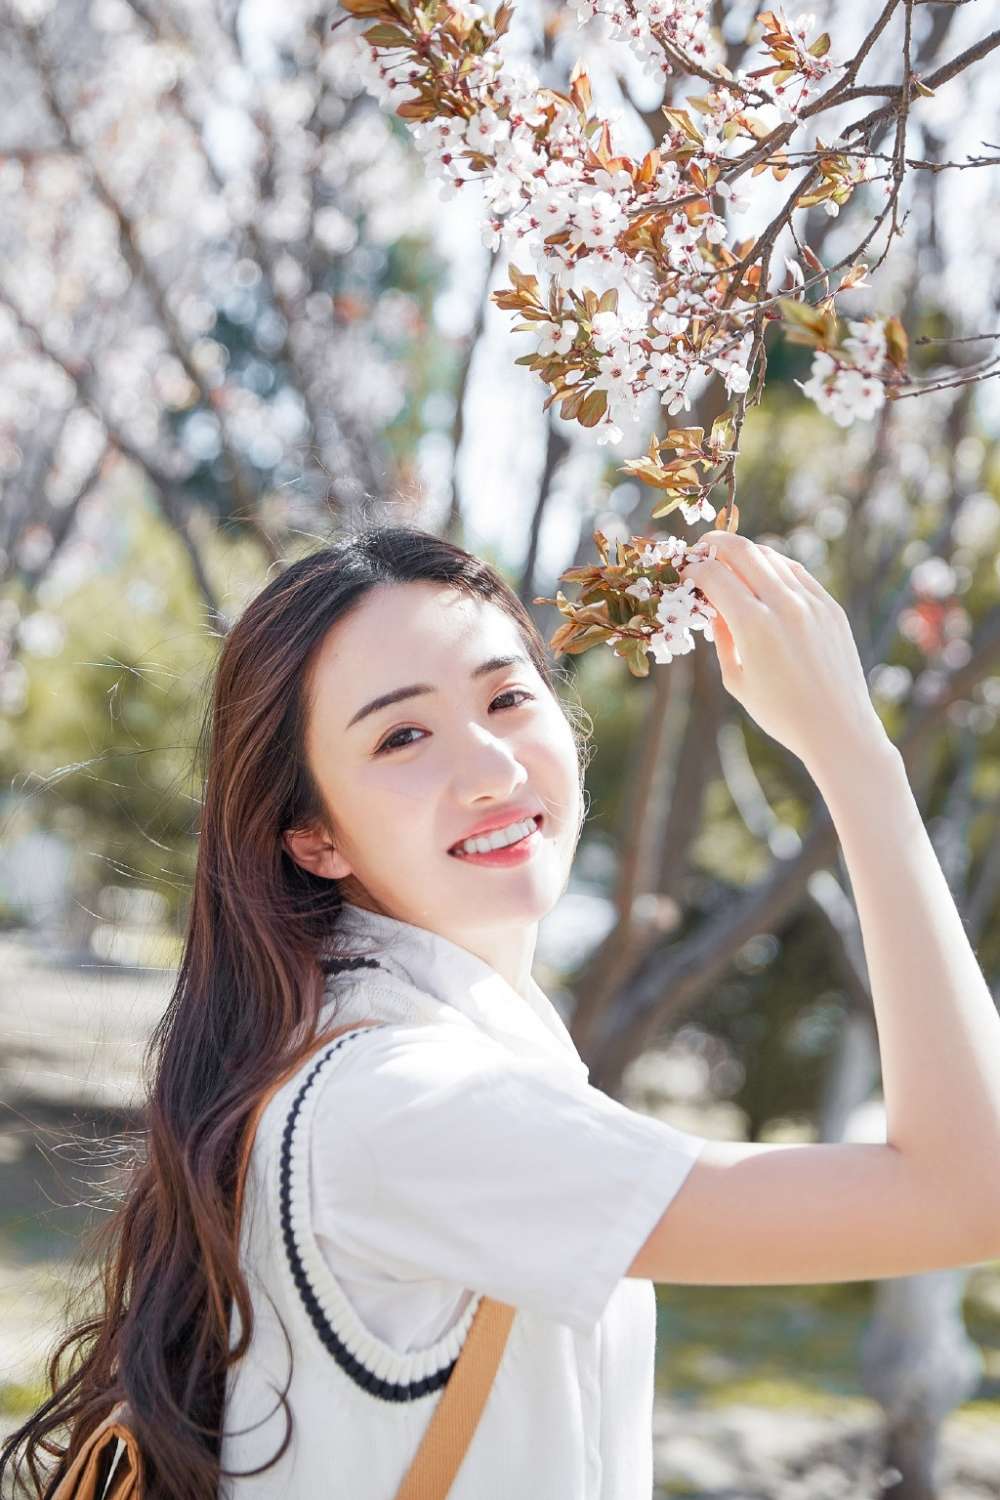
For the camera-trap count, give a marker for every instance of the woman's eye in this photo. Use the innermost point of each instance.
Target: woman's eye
(388, 745)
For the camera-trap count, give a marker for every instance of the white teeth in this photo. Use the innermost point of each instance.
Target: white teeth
(498, 839)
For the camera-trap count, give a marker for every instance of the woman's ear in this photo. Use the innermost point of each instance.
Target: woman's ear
(311, 848)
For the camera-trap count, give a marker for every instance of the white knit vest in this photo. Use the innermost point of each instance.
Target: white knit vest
(569, 1416)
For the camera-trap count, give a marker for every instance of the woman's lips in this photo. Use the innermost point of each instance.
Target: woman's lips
(517, 850)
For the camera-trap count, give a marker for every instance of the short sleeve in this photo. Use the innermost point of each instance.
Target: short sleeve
(436, 1153)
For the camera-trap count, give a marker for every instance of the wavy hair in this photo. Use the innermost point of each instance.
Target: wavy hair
(244, 1007)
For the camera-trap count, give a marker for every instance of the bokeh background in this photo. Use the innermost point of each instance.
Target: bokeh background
(235, 318)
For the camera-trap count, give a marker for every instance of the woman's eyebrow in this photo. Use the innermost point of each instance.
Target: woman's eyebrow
(385, 699)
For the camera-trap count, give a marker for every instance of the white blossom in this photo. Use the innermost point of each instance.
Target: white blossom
(599, 218)
(736, 201)
(605, 327)
(666, 549)
(867, 342)
(679, 612)
(641, 589)
(485, 129)
(554, 338)
(843, 392)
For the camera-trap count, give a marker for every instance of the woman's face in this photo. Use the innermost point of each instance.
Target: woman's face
(402, 783)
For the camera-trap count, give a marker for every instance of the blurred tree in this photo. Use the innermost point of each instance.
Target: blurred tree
(215, 267)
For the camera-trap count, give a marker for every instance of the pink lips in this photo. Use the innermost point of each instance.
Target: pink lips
(514, 852)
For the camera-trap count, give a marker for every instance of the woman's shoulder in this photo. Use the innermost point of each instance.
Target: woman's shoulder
(376, 1039)
(375, 1049)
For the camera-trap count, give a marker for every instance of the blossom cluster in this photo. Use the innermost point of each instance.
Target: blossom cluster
(850, 385)
(678, 610)
(651, 616)
(555, 188)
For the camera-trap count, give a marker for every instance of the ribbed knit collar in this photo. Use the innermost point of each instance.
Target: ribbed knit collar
(451, 978)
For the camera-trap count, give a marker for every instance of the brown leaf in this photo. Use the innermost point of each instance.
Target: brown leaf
(387, 36)
(723, 431)
(592, 409)
(635, 655)
(801, 313)
(650, 473)
(593, 635)
(855, 274)
(501, 19)
(572, 405)
(665, 507)
(579, 87)
(896, 342)
(523, 281)
(367, 8)
(417, 109)
(683, 437)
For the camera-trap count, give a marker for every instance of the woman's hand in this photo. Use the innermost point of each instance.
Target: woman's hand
(785, 648)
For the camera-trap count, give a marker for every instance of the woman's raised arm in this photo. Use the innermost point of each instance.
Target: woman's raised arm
(930, 1197)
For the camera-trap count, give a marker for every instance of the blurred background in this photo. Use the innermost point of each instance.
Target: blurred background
(234, 317)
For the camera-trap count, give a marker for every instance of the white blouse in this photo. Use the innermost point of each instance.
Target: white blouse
(403, 1173)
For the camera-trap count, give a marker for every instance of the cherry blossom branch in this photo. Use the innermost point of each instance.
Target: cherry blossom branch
(815, 152)
(944, 74)
(555, 185)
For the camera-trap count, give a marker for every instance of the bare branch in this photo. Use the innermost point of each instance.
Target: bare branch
(175, 508)
(944, 74)
(243, 487)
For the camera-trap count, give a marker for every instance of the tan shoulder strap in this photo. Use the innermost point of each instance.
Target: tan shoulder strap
(456, 1416)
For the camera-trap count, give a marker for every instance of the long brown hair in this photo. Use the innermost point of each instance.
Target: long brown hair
(244, 1007)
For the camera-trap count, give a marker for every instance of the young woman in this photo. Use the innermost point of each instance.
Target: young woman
(378, 704)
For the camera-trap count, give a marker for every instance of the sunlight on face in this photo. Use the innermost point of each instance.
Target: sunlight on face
(405, 781)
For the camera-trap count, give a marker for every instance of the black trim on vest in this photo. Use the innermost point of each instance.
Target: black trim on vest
(359, 1373)
(334, 965)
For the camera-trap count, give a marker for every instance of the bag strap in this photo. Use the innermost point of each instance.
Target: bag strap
(456, 1416)
(446, 1438)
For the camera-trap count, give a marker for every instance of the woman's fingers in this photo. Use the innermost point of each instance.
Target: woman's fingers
(792, 569)
(799, 675)
(730, 661)
(751, 562)
(728, 591)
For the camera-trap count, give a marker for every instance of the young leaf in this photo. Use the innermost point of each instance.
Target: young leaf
(896, 342)
(592, 409)
(387, 36)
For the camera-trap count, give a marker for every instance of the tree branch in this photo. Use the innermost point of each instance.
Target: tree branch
(174, 506)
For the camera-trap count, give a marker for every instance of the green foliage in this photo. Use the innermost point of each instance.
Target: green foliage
(103, 751)
(795, 1346)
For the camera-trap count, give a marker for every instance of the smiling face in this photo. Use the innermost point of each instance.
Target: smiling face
(405, 781)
